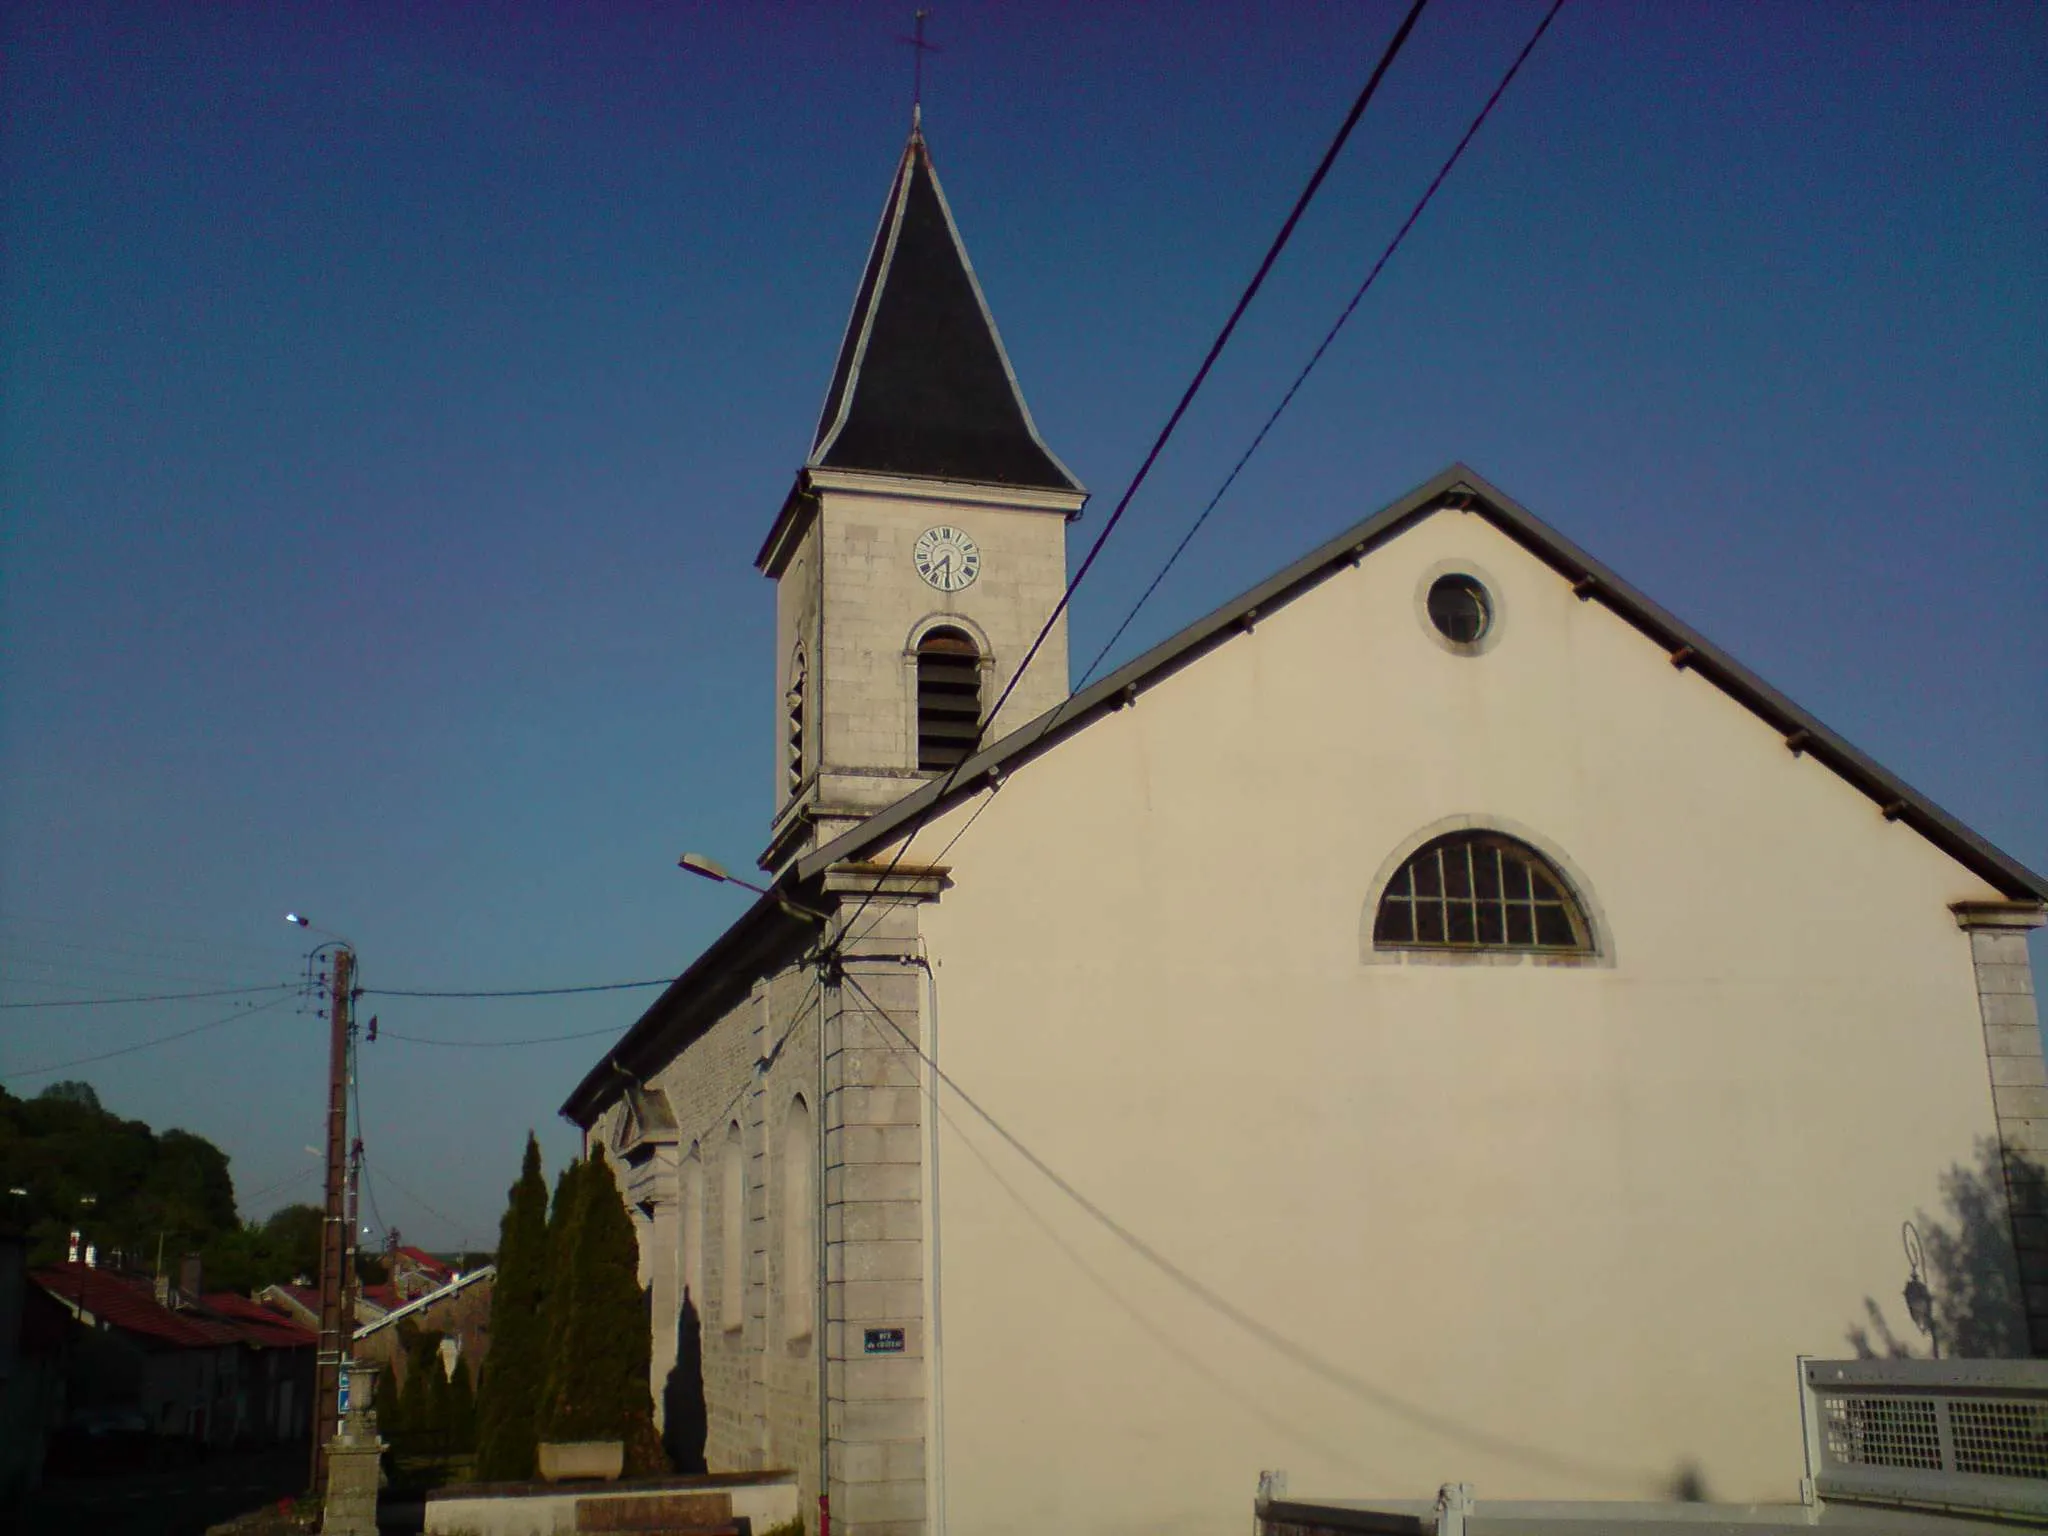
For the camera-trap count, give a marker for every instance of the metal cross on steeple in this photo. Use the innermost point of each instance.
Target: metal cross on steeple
(919, 49)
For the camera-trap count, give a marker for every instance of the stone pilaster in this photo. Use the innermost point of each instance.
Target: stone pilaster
(876, 1306)
(754, 1137)
(646, 1168)
(2019, 1083)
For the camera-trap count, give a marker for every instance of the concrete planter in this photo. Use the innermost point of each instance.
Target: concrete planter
(568, 1460)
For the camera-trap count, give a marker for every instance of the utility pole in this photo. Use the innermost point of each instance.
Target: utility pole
(334, 1244)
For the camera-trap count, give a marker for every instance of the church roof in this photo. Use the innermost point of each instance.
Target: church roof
(923, 385)
(769, 933)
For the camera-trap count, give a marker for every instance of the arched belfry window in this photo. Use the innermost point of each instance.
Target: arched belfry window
(948, 699)
(1480, 891)
(793, 727)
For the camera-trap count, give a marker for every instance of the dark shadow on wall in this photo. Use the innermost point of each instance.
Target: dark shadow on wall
(1688, 1485)
(1978, 1309)
(686, 1423)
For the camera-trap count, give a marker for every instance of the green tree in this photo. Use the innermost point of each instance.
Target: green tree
(131, 1192)
(599, 1341)
(283, 1247)
(419, 1427)
(508, 1398)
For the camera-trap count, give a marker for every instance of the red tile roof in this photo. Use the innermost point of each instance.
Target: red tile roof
(129, 1303)
(131, 1306)
(383, 1297)
(426, 1261)
(268, 1326)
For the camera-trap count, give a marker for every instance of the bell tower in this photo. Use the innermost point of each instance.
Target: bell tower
(923, 545)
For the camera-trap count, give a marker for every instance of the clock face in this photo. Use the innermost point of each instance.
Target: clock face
(946, 558)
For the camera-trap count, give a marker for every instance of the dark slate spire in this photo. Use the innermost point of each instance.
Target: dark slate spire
(923, 386)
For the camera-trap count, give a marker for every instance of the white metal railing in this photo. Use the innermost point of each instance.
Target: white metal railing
(1936, 1434)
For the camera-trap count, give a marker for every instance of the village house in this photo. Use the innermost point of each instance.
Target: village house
(1437, 1013)
(209, 1369)
(459, 1310)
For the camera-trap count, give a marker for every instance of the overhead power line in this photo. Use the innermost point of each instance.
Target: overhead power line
(1259, 438)
(493, 1045)
(461, 1230)
(272, 1188)
(156, 997)
(1308, 192)
(144, 1045)
(603, 986)
(1331, 335)
(1311, 1360)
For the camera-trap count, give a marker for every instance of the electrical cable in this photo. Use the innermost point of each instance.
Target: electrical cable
(1232, 1392)
(99, 930)
(369, 1189)
(144, 1045)
(492, 1045)
(1308, 1359)
(417, 1199)
(938, 858)
(1187, 398)
(151, 997)
(355, 1085)
(273, 1188)
(1286, 400)
(604, 986)
(1330, 336)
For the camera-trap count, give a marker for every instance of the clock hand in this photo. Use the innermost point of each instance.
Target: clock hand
(945, 568)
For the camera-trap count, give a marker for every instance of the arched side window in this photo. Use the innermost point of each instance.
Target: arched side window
(732, 1222)
(948, 699)
(693, 1229)
(1480, 891)
(793, 722)
(799, 1224)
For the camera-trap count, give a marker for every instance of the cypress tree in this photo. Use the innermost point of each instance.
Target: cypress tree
(417, 1427)
(508, 1398)
(599, 1334)
(433, 1380)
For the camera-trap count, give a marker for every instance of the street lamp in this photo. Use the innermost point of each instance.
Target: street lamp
(710, 869)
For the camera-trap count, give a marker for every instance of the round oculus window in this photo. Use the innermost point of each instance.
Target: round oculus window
(1459, 608)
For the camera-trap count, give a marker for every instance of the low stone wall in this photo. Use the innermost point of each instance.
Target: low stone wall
(765, 1499)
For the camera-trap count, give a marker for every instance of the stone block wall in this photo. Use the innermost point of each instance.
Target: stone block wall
(875, 1230)
(2019, 1084)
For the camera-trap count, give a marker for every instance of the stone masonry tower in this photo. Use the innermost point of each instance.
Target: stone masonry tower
(923, 545)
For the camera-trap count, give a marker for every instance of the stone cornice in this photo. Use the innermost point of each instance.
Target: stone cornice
(2019, 915)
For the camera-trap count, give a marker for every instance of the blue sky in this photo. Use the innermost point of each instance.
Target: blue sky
(395, 397)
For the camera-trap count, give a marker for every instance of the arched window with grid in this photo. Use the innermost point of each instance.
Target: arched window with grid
(948, 699)
(1480, 891)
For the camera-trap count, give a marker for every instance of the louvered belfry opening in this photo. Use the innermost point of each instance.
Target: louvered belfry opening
(948, 699)
(793, 724)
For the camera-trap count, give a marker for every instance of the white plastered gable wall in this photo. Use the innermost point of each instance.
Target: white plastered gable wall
(1590, 1212)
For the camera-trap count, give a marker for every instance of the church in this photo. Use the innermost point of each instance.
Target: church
(1437, 1016)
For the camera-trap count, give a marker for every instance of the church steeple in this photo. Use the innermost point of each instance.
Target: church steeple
(923, 546)
(923, 385)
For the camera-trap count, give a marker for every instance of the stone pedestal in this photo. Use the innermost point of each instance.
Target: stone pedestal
(354, 1460)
